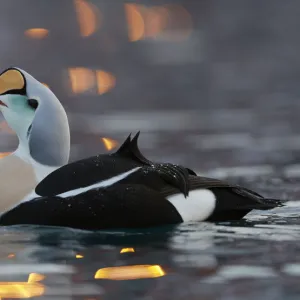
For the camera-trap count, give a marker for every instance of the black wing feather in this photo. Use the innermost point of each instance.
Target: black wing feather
(125, 146)
(197, 182)
(246, 199)
(101, 167)
(136, 151)
(191, 172)
(130, 150)
(175, 176)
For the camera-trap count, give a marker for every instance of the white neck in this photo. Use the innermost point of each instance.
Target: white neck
(40, 171)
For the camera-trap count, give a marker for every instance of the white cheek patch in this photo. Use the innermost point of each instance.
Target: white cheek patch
(198, 206)
(17, 115)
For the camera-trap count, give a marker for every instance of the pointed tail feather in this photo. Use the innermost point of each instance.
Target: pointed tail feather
(262, 204)
(267, 203)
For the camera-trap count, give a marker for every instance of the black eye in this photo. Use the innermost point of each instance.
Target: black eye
(33, 103)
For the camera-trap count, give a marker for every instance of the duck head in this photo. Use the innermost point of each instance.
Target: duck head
(38, 118)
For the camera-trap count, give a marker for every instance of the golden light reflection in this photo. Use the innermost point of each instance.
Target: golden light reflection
(88, 16)
(135, 22)
(45, 84)
(28, 289)
(105, 81)
(11, 255)
(130, 272)
(109, 143)
(82, 79)
(125, 250)
(34, 277)
(179, 23)
(156, 20)
(169, 22)
(3, 154)
(37, 33)
(79, 256)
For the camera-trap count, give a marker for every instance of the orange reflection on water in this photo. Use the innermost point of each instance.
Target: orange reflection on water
(79, 256)
(28, 289)
(11, 255)
(130, 272)
(88, 16)
(156, 20)
(109, 143)
(37, 33)
(179, 23)
(135, 22)
(105, 81)
(126, 250)
(170, 22)
(82, 79)
(3, 154)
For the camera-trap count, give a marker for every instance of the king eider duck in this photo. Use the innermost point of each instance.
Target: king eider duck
(119, 190)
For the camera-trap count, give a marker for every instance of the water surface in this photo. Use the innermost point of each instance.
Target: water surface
(256, 258)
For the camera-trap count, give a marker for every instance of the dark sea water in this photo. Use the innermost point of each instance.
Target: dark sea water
(256, 258)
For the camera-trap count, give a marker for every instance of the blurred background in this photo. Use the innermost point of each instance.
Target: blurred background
(210, 84)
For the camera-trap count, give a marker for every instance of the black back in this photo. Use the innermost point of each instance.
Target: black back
(95, 169)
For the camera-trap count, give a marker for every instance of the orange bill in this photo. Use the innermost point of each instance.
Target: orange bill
(11, 80)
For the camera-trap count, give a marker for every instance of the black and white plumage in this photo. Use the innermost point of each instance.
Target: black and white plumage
(119, 190)
(126, 190)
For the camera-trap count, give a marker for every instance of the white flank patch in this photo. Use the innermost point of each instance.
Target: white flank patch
(100, 184)
(198, 206)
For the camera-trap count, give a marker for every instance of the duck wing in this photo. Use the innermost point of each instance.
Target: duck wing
(129, 205)
(96, 169)
(199, 182)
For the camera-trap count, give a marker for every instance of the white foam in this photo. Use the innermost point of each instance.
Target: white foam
(16, 269)
(291, 269)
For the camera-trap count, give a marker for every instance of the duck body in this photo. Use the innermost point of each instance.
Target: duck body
(119, 190)
(126, 190)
